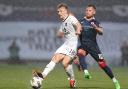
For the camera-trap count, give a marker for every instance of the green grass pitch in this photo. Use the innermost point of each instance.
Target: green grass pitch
(18, 77)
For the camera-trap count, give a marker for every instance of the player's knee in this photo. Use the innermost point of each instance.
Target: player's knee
(81, 52)
(57, 58)
(65, 64)
(102, 63)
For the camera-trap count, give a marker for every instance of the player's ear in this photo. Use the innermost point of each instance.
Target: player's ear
(94, 12)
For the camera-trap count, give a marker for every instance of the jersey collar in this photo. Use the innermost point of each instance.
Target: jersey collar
(66, 18)
(90, 19)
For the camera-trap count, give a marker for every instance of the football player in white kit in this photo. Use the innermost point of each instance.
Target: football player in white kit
(70, 29)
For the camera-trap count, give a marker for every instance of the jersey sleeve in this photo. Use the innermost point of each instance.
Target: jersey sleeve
(98, 23)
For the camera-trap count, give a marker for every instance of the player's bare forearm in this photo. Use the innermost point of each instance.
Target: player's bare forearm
(78, 28)
(99, 30)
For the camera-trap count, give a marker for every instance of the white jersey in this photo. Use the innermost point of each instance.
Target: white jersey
(68, 28)
(71, 39)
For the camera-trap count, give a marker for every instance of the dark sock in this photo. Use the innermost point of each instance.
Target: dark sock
(108, 71)
(83, 62)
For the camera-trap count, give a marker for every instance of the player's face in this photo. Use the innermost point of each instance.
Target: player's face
(89, 12)
(62, 12)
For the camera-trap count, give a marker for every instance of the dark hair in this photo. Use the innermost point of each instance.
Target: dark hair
(91, 5)
(62, 5)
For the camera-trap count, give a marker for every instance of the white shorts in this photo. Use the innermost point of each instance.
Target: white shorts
(68, 48)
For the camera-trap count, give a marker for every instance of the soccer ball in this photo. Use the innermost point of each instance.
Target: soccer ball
(36, 82)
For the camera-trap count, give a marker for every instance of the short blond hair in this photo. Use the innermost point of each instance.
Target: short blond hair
(91, 5)
(62, 5)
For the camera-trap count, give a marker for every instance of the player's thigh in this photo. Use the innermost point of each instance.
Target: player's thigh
(66, 61)
(58, 57)
(95, 52)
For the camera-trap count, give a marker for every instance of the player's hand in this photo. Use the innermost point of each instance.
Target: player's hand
(78, 33)
(60, 34)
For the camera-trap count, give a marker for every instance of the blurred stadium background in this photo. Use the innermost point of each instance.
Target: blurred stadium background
(32, 25)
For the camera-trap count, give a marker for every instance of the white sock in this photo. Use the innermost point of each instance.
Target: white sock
(114, 79)
(86, 71)
(70, 72)
(48, 68)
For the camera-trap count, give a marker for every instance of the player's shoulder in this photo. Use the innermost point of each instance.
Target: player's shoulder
(96, 21)
(71, 17)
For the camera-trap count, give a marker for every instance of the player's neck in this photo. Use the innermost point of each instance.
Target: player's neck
(90, 18)
(65, 17)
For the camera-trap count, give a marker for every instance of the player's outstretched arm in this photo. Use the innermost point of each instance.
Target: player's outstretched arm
(99, 30)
